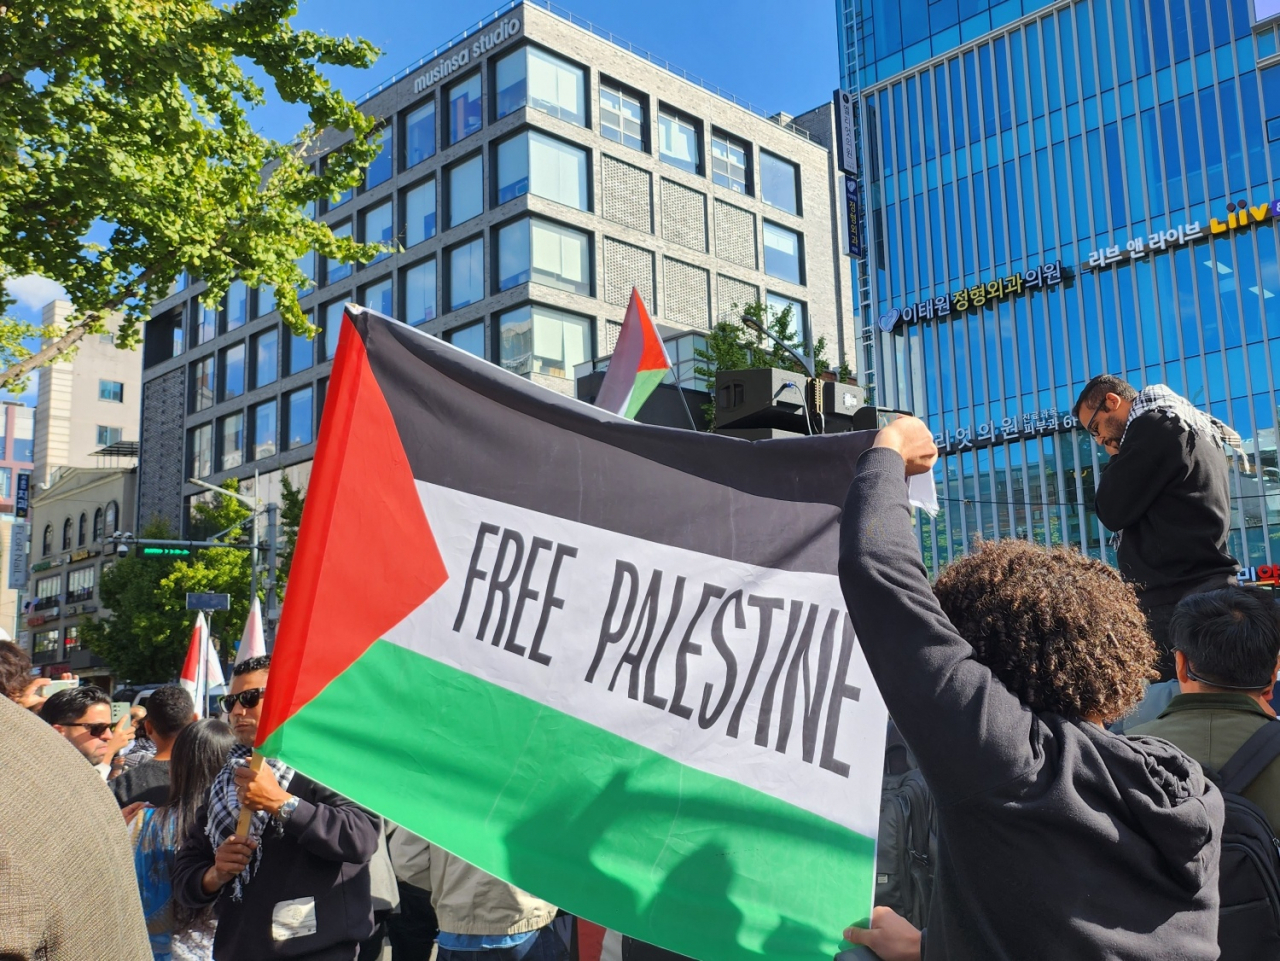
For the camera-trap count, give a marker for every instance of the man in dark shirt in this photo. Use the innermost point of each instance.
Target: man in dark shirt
(298, 886)
(1227, 644)
(1057, 839)
(169, 710)
(1165, 493)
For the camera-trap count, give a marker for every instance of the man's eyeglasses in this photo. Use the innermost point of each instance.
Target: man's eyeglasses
(249, 699)
(1089, 426)
(95, 730)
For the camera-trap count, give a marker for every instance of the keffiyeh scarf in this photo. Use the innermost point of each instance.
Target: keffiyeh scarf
(224, 811)
(1160, 398)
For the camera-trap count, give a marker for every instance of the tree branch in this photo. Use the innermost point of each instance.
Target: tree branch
(46, 354)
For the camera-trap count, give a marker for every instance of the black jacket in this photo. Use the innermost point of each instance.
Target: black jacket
(1168, 494)
(323, 853)
(1058, 841)
(148, 781)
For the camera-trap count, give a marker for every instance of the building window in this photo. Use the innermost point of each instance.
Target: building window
(46, 542)
(538, 340)
(72, 635)
(113, 517)
(331, 328)
(232, 371)
(204, 324)
(264, 429)
(729, 163)
(376, 228)
(466, 274)
(97, 525)
(66, 534)
(266, 357)
(111, 390)
(420, 213)
(379, 171)
(544, 166)
(621, 117)
(782, 253)
(202, 383)
(231, 441)
(466, 190)
(109, 435)
(6, 483)
(44, 642)
(469, 338)
(301, 353)
(535, 78)
(336, 270)
(420, 134)
(678, 142)
(307, 264)
(298, 414)
(200, 450)
(237, 305)
(378, 297)
(24, 430)
(544, 253)
(82, 530)
(778, 179)
(420, 293)
(464, 108)
(80, 584)
(798, 329)
(265, 300)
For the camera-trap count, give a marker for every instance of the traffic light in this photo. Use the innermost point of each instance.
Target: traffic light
(166, 551)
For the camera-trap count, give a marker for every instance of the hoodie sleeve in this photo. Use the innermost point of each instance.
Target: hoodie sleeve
(968, 731)
(1149, 459)
(193, 858)
(334, 828)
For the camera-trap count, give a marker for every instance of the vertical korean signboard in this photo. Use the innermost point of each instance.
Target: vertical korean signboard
(853, 214)
(846, 147)
(23, 499)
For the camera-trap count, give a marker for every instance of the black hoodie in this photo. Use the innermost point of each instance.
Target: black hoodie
(1057, 839)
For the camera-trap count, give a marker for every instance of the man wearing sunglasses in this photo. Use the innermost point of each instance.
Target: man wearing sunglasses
(299, 885)
(83, 716)
(1165, 494)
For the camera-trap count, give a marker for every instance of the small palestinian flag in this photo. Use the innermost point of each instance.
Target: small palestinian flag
(606, 661)
(638, 364)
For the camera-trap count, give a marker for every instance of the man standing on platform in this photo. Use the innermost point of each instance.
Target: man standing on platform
(1165, 494)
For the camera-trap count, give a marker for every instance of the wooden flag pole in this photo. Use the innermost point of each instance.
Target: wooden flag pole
(242, 825)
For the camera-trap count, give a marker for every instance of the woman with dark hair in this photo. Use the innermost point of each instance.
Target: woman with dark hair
(177, 933)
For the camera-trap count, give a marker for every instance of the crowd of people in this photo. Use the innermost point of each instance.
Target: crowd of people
(1098, 745)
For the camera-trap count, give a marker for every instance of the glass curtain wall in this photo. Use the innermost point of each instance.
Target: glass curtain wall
(1056, 200)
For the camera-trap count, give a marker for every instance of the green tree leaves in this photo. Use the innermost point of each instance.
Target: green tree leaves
(130, 119)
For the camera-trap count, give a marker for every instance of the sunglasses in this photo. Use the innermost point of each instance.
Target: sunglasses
(249, 699)
(95, 730)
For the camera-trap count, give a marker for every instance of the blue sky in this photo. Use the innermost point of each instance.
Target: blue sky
(777, 55)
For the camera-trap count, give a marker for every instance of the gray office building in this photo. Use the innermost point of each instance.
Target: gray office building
(533, 171)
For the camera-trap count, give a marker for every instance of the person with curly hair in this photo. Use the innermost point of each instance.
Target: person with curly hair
(1057, 839)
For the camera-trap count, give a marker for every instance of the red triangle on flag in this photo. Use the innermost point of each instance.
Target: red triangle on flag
(365, 557)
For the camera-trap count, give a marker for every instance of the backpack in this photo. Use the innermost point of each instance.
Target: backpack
(907, 845)
(1249, 876)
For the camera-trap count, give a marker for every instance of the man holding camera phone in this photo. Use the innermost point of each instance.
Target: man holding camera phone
(82, 715)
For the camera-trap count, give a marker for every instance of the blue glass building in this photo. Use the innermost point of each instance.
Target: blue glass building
(1057, 190)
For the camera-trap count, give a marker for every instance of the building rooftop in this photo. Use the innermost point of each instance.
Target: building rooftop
(781, 119)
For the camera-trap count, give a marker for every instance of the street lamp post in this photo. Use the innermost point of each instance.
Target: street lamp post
(806, 363)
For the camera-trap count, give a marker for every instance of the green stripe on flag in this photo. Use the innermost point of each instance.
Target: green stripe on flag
(646, 383)
(602, 827)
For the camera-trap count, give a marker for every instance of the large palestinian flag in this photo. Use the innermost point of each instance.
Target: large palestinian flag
(605, 661)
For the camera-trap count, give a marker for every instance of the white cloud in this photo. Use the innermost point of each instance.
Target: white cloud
(34, 291)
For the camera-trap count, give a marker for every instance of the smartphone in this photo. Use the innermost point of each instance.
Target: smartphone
(119, 709)
(53, 687)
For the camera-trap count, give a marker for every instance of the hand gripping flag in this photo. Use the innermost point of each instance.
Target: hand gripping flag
(200, 673)
(638, 364)
(607, 662)
(252, 641)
